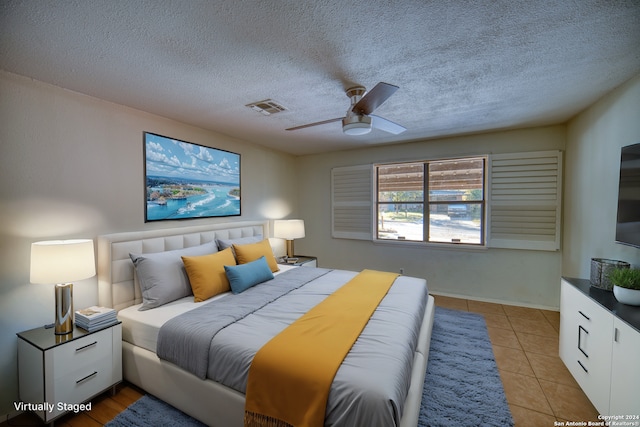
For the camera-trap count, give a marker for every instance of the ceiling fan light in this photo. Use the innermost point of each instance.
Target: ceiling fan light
(357, 125)
(357, 128)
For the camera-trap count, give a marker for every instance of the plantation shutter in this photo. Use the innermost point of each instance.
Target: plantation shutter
(352, 202)
(524, 209)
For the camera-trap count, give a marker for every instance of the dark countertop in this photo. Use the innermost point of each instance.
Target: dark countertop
(628, 313)
(45, 338)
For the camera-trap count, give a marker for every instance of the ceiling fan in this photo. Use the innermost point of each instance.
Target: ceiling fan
(359, 120)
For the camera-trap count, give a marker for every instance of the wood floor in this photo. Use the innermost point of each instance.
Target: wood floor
(539, 388)
(103, 409)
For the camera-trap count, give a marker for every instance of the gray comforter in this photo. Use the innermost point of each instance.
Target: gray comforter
(218, 341)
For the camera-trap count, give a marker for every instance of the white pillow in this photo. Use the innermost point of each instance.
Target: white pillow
(162, 276)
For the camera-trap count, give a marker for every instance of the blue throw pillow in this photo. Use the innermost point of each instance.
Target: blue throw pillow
(243, 276)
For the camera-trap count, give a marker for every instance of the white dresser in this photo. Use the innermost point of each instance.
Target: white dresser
(600, 344)
(65, 370)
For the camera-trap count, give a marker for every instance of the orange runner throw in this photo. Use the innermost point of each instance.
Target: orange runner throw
(290, 376)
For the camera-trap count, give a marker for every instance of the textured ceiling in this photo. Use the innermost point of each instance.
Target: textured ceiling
(462, 66)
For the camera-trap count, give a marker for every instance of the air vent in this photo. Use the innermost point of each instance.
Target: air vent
(266, 107)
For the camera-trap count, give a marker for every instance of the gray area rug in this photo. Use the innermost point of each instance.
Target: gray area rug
(462, 385)
(151, 412)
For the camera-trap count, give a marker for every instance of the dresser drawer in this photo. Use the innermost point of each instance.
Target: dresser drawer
(584, 329)
(82, 353)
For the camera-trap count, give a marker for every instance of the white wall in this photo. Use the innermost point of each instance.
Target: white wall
(594, 139)
(512, 276)
(72, 166)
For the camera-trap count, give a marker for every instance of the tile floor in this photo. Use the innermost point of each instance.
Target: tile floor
(539, 388)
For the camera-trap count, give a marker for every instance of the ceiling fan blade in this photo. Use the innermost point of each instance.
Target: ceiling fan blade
(374, 98)
(386, 125)
(315, 124)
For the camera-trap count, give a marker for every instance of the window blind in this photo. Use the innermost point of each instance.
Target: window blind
(351, 202)
(525, 197)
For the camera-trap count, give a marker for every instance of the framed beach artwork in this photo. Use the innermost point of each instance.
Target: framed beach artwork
(185, 180)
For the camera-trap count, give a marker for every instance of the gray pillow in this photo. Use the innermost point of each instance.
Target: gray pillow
(162, 276)
(228, 243)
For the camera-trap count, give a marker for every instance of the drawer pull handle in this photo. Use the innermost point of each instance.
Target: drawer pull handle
(86, 346)
(582, 366)
(616, 334)
(584, 315)
(96, 373)
(580, 331)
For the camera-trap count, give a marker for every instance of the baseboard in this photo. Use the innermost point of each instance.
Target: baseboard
(4, 418)
(496, 301)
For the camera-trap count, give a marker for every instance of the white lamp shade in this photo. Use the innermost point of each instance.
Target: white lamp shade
(288, 228)
(62, 261)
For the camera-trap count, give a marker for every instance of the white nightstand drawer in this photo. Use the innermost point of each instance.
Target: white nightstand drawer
(301, 261)
(84, 382)
(312, 263)
(78, 354)
(67, 369)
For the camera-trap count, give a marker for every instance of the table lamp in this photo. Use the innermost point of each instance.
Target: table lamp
(288, 229)
(60, 262)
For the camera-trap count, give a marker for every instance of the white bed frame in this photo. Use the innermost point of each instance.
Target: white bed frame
(205, 400)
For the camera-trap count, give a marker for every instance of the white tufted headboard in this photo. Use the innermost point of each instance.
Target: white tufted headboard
(116, 286)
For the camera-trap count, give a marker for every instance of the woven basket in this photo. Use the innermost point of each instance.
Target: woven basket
(600, 269)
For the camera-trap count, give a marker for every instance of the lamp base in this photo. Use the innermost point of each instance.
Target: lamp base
(64, 309)
(290, 253)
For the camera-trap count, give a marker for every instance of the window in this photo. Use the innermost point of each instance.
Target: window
(520, 207)
(451, 210)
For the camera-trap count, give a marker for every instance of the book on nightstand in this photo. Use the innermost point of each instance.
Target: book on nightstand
(94, 318)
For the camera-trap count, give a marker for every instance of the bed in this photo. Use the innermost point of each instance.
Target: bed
(210, 401)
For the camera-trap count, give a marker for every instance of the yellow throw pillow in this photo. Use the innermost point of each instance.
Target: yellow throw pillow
(207, 275)
(253, 251)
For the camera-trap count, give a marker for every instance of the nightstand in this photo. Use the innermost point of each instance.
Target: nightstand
(303, 261)
(56, 372)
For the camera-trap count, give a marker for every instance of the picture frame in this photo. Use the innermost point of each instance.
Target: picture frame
(184, 180)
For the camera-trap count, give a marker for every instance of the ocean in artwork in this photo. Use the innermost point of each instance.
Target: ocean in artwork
(209, 200)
